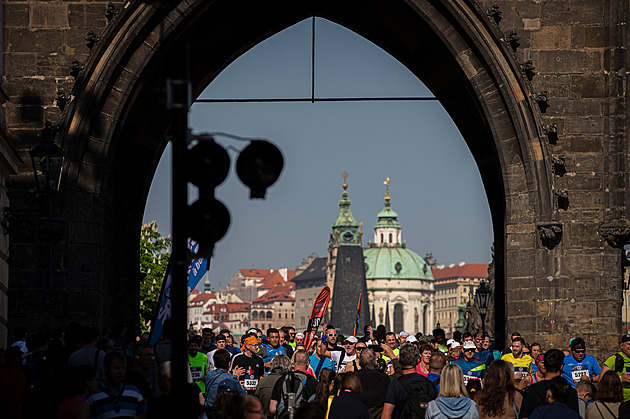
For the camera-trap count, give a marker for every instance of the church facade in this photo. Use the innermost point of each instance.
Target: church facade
(399, 281)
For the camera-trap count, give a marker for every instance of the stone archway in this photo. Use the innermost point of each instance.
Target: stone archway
(114, 129)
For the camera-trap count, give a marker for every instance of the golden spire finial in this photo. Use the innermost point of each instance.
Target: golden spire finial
(386, 183)
(344, 175)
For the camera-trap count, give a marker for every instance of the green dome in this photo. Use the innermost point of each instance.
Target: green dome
(395, 263)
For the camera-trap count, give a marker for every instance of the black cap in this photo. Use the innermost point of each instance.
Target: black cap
(220, 337)
(625, 338)
(578, 343)
(195, 339)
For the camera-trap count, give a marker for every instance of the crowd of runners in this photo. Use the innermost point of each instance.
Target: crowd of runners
(76, 373)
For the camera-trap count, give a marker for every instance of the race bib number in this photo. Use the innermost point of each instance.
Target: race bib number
(196, 373)
(579, 371)
(520, 372)
(468, 376)
(250, 384)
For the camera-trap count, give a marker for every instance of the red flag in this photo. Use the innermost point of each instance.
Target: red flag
(356, 325)
(319, 308)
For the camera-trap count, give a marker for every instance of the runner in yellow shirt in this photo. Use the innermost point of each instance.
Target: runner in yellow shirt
(522, 363)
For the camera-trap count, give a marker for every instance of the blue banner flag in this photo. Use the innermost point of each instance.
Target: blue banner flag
(196, 270)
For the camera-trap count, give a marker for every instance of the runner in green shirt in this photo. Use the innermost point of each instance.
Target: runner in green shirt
(620, 363)
(198, 363)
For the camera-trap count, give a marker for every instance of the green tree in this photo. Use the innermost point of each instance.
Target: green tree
(154, 256)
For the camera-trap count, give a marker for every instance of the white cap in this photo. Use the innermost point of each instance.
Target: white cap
(403, 333)
(351, 339)
(448, 342)
(469, 344)
(299, 335)
(411, 339)
(454, 345)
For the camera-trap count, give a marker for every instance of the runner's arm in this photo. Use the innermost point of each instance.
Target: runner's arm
(388, 408)
(273, 406)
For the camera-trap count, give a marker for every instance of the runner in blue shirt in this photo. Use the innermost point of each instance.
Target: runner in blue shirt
(318, 364)
(579, 366)
(473, 369)
(273, 348)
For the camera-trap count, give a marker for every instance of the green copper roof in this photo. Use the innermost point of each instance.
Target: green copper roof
(387, 217)
(345, 231)
(395, 263)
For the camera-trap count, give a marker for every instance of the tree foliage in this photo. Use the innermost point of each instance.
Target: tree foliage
(154, 256)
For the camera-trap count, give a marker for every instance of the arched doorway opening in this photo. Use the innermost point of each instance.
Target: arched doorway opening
(115, 128)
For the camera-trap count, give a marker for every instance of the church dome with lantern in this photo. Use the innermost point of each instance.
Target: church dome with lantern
(399, 281)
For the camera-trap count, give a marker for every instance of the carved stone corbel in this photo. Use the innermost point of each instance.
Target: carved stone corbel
(550, 233)
(495, 13)
(617, 234)
(562, 198)
(529, 69)
(541, 99)
(513, 40)
(551, 131)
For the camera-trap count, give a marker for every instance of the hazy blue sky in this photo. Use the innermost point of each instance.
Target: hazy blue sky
(435, 185)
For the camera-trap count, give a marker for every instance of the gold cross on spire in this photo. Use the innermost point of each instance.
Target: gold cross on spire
(386, 183)
(344, 175)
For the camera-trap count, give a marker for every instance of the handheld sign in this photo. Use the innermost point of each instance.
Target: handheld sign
(317, 313)
(356, 325)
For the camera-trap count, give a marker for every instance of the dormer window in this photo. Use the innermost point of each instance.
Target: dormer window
(390, 237)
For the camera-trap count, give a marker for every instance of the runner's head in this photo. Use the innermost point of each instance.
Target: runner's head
(349, 344)
(517, 346)
(478, 339)
(437, 362)
(273, 336)
(425, 353)
(299, 338)
(193, 345)
(300, 360)
(439, 336)
(221, 341)
(625, 345)
(469, 350)
(250, 346)
(554, 360)
(221, 359)
(207, 335)
(331, 335)
(559, 390)
(499, 375)
(391, 340)
(115, 365)
(402, 337)
(291, 332)
(408, 356)
(535, 350)
(578, 349)
(609, 388)
(281, 362)
(367, 358)
(540, 363)
(486, 342)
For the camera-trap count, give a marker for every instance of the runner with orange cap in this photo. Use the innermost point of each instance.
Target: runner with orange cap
(251, 362)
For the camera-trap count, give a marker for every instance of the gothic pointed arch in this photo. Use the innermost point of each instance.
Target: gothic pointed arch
(115, 128)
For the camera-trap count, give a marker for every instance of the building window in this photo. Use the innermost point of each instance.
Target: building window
(390, 240)
(279, 315)
(269, 315)
(254, 315)
(291, 315)
(286, 315)
(302, 320)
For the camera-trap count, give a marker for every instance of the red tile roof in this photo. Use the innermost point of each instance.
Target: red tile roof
(201, 299)
(280, 292)
(255, 273)
(467, 270)
(225, 309)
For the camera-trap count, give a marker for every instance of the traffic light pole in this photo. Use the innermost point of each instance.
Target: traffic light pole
(178, 94)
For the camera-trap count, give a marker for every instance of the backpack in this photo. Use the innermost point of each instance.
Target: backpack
(294, 393)
(418, 399)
